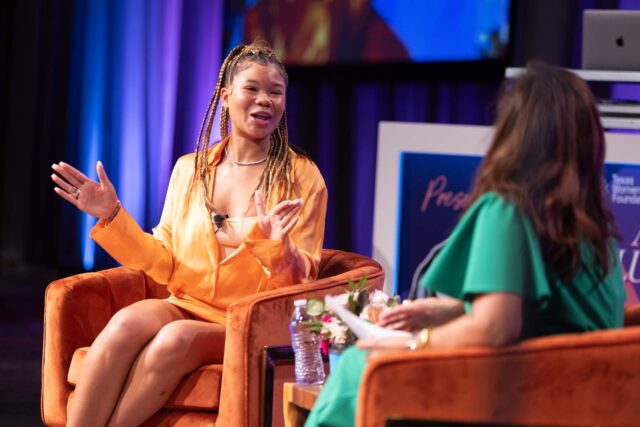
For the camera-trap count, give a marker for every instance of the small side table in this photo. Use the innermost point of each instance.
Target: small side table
(297, 401)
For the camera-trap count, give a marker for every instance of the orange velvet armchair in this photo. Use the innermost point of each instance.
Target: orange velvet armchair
(77, 308)
(567, 380)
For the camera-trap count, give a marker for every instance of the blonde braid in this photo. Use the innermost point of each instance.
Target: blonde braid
(224, 122)
(278, 169)
(287, 154)
(200, 171)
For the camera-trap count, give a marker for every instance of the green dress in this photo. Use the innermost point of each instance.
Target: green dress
(494, 249)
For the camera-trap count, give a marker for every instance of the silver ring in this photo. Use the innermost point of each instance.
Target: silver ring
(75, 193)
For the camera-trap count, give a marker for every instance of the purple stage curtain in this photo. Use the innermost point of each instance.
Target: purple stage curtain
(142, 73)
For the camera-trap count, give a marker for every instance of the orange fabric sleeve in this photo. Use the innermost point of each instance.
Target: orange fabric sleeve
(128, 244)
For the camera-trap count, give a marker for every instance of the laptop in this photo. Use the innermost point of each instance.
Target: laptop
(611, 40)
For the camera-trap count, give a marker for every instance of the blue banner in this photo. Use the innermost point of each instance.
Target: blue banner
(434, 190)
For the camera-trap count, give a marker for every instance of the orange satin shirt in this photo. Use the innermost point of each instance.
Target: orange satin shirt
(183, 252)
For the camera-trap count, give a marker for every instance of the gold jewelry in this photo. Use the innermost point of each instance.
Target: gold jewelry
(420, 340)
(235, 162)
(111, 217)
(115, 212)
(75, 193)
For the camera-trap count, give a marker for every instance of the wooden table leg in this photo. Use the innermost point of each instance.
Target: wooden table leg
(297, 401)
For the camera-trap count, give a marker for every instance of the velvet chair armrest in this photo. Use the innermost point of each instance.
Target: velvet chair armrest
(76, 309)
(262, 320)
(569, 380)
(632, 315)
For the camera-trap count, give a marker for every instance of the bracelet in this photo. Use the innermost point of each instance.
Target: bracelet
(113, 214)
(420, 340)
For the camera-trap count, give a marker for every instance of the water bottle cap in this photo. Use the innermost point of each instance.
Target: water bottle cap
(300, 302)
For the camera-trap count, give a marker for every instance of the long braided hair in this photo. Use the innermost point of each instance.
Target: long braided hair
(277, 173)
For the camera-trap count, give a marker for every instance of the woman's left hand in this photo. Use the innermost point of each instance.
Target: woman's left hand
(280, 220)
(384, 345)
(421, 313)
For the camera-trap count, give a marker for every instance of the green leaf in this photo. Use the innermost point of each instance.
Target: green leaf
(315, 307)
(362, 281)
(313, 326)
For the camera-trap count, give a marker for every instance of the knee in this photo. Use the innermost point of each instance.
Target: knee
(126, 330)
(169, 349)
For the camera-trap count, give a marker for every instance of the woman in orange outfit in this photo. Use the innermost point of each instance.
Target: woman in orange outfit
(242, 216)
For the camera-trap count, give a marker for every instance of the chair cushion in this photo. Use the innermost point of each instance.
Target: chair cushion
(200, 390)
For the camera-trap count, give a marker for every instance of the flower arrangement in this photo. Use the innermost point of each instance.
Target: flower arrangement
(358, 300)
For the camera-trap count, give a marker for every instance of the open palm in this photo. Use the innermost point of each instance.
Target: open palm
(98, 199)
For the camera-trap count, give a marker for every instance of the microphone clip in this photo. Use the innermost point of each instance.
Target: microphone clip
(218, 219)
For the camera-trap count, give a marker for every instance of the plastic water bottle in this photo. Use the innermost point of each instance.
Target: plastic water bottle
(308, 361)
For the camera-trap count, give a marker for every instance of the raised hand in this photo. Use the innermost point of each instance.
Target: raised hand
(421, 313)
(97, 199)
(280, 220)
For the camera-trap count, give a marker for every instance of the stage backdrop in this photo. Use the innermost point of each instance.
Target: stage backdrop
(423, 177)
(142, 73)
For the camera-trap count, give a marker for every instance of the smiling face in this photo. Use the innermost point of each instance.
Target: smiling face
(256, 101)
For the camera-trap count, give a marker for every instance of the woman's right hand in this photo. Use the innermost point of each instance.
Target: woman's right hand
(280, 220)
(421, 313)
(97, 199)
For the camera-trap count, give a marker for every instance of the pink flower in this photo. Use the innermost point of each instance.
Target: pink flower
(332, 330)
(324, 346)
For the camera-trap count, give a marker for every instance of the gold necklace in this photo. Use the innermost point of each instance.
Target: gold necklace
(235, 162)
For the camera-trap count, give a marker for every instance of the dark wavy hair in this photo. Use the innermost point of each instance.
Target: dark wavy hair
(547, 157)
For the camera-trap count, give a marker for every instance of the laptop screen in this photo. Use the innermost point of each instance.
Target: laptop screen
(611, 40)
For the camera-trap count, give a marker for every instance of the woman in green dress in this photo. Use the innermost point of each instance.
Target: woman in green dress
(535, 252)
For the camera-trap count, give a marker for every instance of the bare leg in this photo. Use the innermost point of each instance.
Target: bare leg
(111, 356)
(179, 348)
